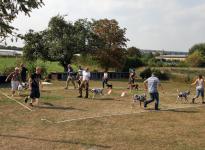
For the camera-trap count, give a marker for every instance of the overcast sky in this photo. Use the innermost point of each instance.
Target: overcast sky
(151, 24)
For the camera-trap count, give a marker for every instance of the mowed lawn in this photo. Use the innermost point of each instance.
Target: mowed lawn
(63, 121)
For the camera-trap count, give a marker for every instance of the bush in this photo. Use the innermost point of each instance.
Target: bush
(146, 73)
(132, 62)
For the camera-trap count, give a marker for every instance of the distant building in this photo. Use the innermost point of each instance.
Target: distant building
(172, 57)
(4, 52)
(163, 52)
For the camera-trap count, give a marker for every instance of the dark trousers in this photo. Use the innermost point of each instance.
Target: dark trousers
(153, 97)
(104, 82)
(84, 84)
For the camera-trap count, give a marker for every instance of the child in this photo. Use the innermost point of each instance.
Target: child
(34, 86)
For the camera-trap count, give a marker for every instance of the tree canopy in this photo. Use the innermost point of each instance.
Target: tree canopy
(9, 11)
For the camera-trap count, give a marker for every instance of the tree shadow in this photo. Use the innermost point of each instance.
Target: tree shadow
(173, 110)
(56, 141)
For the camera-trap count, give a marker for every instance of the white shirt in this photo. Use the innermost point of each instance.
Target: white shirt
(152, 84)
(200, 84)
(105, 75)
(86, 76)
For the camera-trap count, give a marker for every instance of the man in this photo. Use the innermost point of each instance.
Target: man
(79, 76)
(152, 84)
(85, 83)
(23, 73)
(70, 77)
(199, 89)
(105, 78)
(34, 86)
(15, 80)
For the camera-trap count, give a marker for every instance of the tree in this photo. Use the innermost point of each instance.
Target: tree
(198, 47)
(196, 59)
(134, 52)
(9, 11)
(60, 41)
(111, 41)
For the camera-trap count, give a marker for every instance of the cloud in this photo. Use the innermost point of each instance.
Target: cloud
(151, 24)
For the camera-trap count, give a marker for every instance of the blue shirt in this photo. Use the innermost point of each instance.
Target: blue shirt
(152, 84)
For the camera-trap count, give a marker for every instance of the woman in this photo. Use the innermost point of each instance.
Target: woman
(199, 88)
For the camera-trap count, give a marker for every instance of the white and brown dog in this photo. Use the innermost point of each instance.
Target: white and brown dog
(96, 91)
(139, 98)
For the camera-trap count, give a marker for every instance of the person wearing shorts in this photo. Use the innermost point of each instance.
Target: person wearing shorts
(85, 83)
(199, 89)
(70, 77)
(34, 86)
(15, 80)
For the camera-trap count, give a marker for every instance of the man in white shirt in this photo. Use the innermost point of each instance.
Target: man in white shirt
(85, 83)
(105, 78)
(152, 84)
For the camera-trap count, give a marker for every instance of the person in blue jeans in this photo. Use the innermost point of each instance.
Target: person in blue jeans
(151, 84)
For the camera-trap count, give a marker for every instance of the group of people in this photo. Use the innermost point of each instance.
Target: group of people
(19, 77)
(151, 85)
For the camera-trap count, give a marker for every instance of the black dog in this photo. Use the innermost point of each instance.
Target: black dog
(182, 95)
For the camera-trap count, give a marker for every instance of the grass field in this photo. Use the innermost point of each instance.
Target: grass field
(63, 121)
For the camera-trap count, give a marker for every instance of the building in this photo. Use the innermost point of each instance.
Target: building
(4, 52)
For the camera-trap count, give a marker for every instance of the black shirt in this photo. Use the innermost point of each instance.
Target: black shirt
(35, 80)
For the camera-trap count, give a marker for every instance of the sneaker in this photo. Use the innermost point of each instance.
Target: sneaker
(26, 99)
(145, 104)
(80, 96)
(66, 88)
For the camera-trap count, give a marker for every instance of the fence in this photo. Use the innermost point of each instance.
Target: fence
(94, 75)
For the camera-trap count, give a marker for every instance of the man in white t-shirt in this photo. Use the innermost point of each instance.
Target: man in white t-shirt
(152, 84)
(85, 83)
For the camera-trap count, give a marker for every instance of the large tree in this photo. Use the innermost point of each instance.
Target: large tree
(110, 51)
(60, 41)
(198, 47)
(134, 52)
(9, 9)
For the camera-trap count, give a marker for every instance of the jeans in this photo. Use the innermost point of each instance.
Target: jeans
(104, 82)
(153, 97)
(199, 92)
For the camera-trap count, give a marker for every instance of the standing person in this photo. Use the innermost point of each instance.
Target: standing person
(15, 80)
(79, 75)
(131, 79)
(70, 77)
(34, 86)
(85, 83)
(199, 88)
(23, 73)
(152, 84)
(105, 78)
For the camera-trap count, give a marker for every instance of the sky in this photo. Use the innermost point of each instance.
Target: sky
(151, 24)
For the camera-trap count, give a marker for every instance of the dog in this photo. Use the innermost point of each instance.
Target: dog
(182, 95)
(109, 86)
(134, 87)
(96, 91)
(139, 98)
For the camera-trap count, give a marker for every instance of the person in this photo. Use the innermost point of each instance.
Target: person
(15, 80)
(151, 84)
(34, 86)
(105, 78)
(79, 75)
(199, 88)
(85, 83)
(70, 77)
(23, 73)
(131, 79)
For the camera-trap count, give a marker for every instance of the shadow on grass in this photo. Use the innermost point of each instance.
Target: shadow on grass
(56, 141)
(51, 106)
(173, 110)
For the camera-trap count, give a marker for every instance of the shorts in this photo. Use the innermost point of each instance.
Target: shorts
(14, 85)
(35, 93)
(199, 92)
